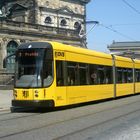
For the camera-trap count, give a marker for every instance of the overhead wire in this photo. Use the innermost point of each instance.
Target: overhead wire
(117, 32)
(111, 29)
(124, 24)
(132, 7)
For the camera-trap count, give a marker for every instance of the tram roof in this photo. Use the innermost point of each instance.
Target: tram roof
(79, 50)
(69, 48)
(34, 45)
(86, 51)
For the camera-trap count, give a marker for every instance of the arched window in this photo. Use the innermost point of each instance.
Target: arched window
(77, 25)
(63, 22)
(48, 20)
(10, 62)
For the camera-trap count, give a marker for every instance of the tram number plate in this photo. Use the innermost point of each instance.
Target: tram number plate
(25, 94)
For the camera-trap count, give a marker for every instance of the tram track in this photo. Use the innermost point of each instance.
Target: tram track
(20, 113)
(15, 117)
(67, 136)
(60, 121)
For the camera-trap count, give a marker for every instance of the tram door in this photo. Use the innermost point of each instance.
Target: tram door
(60, 83)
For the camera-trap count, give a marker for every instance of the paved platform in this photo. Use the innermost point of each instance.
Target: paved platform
(5, 99)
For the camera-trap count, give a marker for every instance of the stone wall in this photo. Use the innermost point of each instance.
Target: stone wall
(34, 20)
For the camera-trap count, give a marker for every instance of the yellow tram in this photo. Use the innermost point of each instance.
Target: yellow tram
(51, 74)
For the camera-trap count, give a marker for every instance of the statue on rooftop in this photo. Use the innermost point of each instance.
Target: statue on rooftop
(4, 12)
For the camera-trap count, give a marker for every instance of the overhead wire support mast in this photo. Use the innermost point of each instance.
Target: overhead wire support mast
(89, 22)
(83, 35)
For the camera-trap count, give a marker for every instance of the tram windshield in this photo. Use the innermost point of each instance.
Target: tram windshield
(29, 68)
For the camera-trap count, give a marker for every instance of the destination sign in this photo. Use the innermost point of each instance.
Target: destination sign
(28, 54)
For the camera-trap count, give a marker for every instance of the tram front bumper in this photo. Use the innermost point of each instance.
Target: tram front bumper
(33, 103)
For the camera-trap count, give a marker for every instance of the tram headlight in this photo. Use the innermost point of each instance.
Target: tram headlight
(36, 93)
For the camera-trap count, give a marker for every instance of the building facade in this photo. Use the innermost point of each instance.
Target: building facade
(31, 20)
(127, 49)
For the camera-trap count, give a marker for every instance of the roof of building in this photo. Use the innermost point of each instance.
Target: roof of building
(129, 44)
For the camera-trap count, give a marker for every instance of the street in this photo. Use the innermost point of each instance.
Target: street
(116, 119)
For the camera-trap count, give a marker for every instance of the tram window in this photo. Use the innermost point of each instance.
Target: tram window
(59, 73)
(101, 75)
(119, 75)
(137, 77)
(48, 74)
(93, 74)
(72, 76)
(82, 74)
(125, 73)
(130, 76)
(109, 75)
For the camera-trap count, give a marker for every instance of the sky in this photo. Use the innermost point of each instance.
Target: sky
(119, 20)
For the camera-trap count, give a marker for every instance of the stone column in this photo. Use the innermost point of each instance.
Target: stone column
(36, 12)
(3, 53)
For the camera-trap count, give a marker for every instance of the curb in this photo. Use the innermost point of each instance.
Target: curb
(4, 109)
